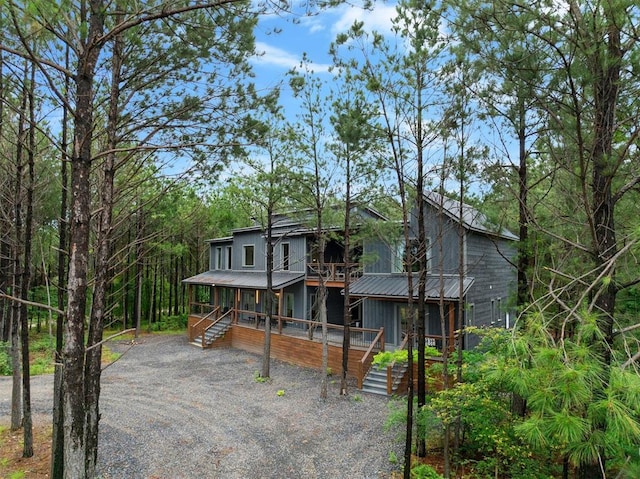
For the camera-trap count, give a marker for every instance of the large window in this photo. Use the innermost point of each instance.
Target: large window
(285, 256)
(408, 260)
(248, 257)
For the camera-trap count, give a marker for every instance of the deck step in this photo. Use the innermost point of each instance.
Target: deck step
(218, 330)
(375, 382)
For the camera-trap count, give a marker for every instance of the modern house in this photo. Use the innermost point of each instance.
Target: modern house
(228, 301)
(458, 238)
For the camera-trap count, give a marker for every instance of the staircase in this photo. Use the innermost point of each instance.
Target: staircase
(375, 382)
(214, 332)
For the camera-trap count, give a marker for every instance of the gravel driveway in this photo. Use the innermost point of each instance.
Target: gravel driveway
(171, 410)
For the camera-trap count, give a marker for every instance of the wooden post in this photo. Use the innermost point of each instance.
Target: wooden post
(452, 319)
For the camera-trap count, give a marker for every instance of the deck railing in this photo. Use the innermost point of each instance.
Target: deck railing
(334, 271)
(201, 326)
(216, 321)
(359, 337)
(391, 379)
(364, 364)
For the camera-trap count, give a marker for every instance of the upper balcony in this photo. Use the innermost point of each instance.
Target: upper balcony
(332, 273)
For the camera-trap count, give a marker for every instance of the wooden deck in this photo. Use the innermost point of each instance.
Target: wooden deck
(295, 341)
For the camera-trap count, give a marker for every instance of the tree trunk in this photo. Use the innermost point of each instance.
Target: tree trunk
(73, 380)
(57, 435)
(27, 423)
(266, 356)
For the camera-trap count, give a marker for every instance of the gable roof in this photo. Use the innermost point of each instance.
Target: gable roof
(244, 279)
(472, 219)
(395, 286)
(296, 222)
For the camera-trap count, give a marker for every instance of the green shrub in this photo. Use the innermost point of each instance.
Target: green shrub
(5, 359)
(386, 358)
(424, 471)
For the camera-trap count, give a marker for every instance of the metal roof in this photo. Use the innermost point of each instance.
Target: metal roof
(394, 286)
(244, 279)
(471, 217)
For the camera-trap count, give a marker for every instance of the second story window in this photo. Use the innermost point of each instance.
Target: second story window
(228, 265)
(219, 257)
(285, 256)
(248, 258)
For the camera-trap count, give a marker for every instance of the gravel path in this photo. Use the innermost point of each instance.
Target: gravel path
(171, 410)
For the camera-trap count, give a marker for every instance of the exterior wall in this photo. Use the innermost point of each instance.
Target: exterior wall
(298, 290)
(297, 257)
(491, 294)
(382, 314)
(380, 257)
(335, 304)
(214, 250)
(443, 237)
(254, 238)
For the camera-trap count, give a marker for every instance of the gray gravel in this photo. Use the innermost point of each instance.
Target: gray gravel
(171, 410)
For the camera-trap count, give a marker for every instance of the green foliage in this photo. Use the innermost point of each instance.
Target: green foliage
(424, 471)
(171, 323)
(5, 359)
(387, 358)
(393, 457)
(258, 378)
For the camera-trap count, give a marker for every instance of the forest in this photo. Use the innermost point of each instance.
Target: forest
(133, 131)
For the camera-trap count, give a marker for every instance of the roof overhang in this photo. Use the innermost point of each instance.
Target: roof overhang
(244, 279)
(395, 287)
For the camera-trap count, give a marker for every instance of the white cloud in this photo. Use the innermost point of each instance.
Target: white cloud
(269, 55)
(378, 19)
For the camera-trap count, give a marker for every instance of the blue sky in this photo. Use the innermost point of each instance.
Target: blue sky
(311, 35)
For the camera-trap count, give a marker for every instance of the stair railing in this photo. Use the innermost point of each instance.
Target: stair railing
(390, 377)
(194, 331)
(365, 362)
(217, 321)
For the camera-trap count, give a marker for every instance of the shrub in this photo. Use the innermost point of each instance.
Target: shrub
(5, 360)
(424, 471)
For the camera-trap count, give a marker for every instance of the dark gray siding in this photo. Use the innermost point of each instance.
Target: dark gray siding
(213, 254)
(382, 314)
(378, 257)
(297, 248)
(254, 238)
(495, 279)
(442, 234)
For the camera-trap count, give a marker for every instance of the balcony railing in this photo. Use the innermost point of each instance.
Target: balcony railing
(334, 271)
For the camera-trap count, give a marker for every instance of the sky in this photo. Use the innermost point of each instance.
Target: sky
(280, 52)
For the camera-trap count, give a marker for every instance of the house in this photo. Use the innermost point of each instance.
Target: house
(487, 282)
(228, 301)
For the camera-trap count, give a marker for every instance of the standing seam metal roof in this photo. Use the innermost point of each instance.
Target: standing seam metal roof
(395, 286)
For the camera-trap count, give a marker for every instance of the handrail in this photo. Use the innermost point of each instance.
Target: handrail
(195, 326)
(367, 354)
(204, 331)
(390, 367)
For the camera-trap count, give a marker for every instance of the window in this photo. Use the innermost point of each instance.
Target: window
(248, 256)
(285, 256)
(288, 305)
(218, 257)
(228, 265)
(407, 260)
(471, 314)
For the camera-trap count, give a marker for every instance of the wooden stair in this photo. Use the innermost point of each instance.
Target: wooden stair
(216, 331)
(375, 382)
